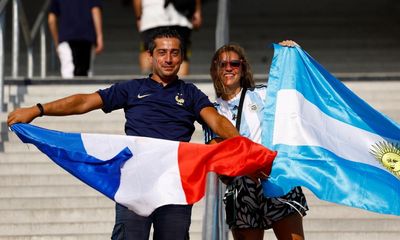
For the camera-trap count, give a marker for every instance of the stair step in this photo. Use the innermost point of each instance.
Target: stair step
(47, 191)
(57, 229)
(352, 225)
(31, 169)
(79, 236)
(68, 215)
(341, 235)
(22, 157)
(343, 212)
(55, 178)
(60, 229)
(30, 203)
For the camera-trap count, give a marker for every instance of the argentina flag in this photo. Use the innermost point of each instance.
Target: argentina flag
(328, 139)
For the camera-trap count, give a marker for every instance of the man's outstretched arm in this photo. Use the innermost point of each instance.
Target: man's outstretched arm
(74, 104)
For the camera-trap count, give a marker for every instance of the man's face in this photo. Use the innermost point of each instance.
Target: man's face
(166, 58)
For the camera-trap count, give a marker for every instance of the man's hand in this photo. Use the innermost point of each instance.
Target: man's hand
(23, 115)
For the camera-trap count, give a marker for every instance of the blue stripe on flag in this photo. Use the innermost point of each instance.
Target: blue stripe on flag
(67, 150)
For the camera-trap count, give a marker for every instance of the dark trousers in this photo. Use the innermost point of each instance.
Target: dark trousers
(81, 54)
(170, 222)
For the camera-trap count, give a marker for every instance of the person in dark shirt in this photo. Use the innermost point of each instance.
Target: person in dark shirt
(76, 28)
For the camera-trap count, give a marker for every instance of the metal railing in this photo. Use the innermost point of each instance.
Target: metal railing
(29, 35)
(214, 227)
(3, 5)
(20, 21)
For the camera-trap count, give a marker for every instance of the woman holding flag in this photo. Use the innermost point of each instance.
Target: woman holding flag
(248, 212)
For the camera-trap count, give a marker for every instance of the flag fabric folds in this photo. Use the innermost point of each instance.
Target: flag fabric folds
(145, 173)
(328, 139)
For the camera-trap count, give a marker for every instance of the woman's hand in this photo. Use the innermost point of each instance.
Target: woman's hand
(289, 43)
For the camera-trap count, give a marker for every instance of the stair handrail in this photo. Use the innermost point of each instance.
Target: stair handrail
(3, 4)
(29, 35)
(19, 19)
(214, 226)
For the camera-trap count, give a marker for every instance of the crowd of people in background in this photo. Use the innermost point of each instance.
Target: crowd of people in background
(76, 29)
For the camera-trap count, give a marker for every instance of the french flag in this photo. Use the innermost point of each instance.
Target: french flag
(328, 139)
(144, 173)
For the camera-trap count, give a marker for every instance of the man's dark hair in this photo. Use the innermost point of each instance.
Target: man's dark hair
(165, 32)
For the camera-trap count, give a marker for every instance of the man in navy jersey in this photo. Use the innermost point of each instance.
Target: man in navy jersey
(159, 106)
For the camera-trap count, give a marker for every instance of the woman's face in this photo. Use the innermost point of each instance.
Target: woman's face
(230, 70)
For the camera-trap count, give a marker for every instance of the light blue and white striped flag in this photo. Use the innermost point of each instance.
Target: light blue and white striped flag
(328, 139)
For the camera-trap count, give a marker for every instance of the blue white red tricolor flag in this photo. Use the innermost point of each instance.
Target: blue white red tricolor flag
(145, 173)
(328, 139)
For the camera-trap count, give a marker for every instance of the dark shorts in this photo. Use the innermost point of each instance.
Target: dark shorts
(253, 210)
(184, 32)
(170, 222)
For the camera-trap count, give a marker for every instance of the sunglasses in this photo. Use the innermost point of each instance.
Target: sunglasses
(233, 64)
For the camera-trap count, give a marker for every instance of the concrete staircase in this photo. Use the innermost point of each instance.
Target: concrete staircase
(39, 200)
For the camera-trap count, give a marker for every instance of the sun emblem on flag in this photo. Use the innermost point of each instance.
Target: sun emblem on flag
(388, 154)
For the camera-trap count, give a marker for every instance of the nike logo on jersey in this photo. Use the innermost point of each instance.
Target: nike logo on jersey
(143, 96)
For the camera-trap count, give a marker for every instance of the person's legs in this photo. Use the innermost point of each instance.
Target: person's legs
(129, 225)
(172, 222)
(81, 53)
(289, 228)
(248, 233)
(64, 53)
(92, 58)
(245, 219)
(285, 215)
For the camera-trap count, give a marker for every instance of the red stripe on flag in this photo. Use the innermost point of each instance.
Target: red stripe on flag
(233, 157)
